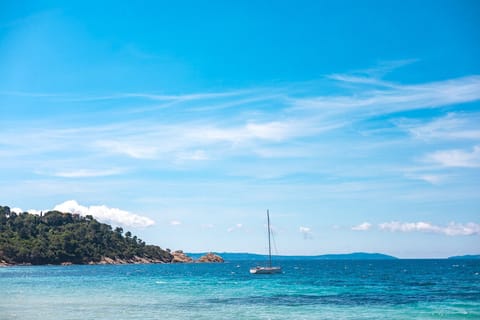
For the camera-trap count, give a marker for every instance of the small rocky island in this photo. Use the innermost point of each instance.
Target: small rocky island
(62, 239)
(210, 258)
(180, 257)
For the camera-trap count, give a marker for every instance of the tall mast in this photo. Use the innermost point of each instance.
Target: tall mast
(269, 246)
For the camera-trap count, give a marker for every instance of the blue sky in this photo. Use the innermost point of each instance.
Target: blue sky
(355, 122)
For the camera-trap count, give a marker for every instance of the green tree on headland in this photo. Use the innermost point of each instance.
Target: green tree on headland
(56, 237)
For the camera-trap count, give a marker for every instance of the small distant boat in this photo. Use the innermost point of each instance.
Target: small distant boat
(268, 269)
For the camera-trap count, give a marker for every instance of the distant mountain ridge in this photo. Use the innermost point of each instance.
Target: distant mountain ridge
(230, 256)
(466, 257)
(356, 256)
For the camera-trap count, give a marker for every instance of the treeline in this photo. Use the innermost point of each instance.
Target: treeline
(56, 238)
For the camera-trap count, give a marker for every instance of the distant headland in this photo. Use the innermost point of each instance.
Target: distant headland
(62, 238)
(466, 257)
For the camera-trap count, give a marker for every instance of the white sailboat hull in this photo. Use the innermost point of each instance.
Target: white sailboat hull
(269, 269)
(265, 270)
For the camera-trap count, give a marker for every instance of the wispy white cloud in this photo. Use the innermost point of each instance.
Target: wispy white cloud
(88, 173)
(452, 126)
(191, 141)
(455, 158)
(362, 227)
(385, 67)
(374, 75)
(196, 155)
(434, 179)
(132, 149)
(186, 97)
(106, 214)
(284, 125)
(306, 232)
(321, 113)
(169, 98)
(361, 79)
(452, 229)
(275, 131)
(175, 223)
(371, 102)
(236, 227)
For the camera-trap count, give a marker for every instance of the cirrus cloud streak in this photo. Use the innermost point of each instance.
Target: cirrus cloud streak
(451, 229)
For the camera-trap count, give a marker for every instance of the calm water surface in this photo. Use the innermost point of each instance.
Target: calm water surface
(400, 289)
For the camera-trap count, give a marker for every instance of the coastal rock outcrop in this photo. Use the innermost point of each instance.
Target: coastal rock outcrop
(210, 258)
(180, 257)
(133, 260)
(4, 263)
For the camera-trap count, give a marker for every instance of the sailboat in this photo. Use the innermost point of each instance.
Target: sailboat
(268, 269)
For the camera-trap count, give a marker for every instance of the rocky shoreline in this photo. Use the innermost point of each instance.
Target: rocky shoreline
(177, 257)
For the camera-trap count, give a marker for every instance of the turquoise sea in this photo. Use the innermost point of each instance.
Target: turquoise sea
(397, 289)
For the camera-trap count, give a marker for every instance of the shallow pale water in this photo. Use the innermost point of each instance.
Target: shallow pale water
(399, 289)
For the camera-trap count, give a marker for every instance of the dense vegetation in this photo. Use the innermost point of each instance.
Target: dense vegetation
(55, 238)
